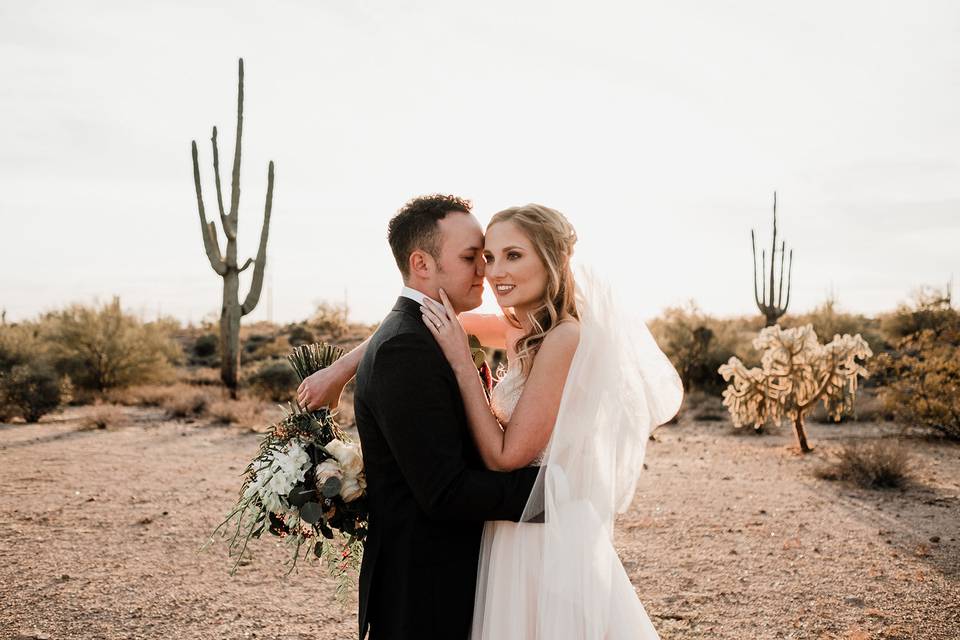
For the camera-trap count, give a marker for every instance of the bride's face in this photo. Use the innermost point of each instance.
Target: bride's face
(514, 270)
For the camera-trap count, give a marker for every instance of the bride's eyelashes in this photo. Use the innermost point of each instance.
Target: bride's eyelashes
(511, 255)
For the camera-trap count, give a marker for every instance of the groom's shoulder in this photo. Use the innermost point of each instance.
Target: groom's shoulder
(399, 332)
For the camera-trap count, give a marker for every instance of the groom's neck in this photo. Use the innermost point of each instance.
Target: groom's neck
(429, 289)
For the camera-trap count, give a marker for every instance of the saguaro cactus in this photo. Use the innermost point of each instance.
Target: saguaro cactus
(796, 373)
(226, 266)
(771, 304)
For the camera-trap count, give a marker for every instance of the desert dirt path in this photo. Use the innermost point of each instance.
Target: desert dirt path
(730, 536)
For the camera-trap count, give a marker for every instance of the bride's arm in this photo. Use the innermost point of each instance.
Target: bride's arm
(515, 444)
(324, 387)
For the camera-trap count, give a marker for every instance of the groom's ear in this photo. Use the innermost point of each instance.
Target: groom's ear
(421, 263)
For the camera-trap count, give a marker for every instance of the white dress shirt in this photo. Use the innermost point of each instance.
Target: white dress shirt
(416, 296)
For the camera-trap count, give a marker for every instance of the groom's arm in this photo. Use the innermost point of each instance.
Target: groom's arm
(416, 412)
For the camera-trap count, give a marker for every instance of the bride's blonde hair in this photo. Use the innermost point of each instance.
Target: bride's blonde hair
(553, 238)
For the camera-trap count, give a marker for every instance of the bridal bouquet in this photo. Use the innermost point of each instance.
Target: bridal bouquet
(306, 483)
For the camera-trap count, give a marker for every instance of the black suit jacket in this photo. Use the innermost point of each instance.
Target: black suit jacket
(427, 489)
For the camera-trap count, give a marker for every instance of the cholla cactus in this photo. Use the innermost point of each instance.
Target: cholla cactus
(796, 372)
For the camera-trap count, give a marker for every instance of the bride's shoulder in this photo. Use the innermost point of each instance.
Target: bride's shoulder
(565, 335)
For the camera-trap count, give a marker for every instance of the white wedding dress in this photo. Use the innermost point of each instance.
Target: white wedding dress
(561, 579)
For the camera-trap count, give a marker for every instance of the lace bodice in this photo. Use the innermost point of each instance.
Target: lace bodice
(506, 395)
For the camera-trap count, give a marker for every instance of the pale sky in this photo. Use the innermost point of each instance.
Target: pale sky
(660, 128)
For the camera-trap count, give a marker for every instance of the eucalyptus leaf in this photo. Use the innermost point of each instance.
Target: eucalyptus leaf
(300, 495)
(310, 512)
(331, 488)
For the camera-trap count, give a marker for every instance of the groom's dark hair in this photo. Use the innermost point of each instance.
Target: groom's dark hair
(415, 226)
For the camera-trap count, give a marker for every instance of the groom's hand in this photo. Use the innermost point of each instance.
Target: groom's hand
(321, 389)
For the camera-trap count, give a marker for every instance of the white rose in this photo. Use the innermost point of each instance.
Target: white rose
(349, 457)
(326, 470)
(351, 489)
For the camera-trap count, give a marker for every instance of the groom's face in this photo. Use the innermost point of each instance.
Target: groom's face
(460, 264)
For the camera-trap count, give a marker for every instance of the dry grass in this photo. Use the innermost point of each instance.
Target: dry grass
(104, 416)
(243, 412)
(202, 376)
(187, 401)
(149, 395)
(190, 402)
(879, 464)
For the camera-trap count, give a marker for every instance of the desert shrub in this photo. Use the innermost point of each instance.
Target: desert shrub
(274, 380)
(146, 395)
(928, 309)
(874, 465)
(20, 344)
(258, 347)
(828, 320)
(199, 376)
(103, 348)
(703, 407)
(330, 321)
(206, 345)
(253, 342)
(243, 412)
(297, 334)
(921, 374)
(103, 416)
(697, 344)
(188, 403)
(30, 391)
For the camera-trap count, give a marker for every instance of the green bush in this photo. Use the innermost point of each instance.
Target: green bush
(920, 376)
(30, 390)
(923, 381)
(105, 348)
(275, 380)
(19, 344)
(929, 309)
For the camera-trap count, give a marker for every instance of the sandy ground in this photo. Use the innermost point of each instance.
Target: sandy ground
(730, 536)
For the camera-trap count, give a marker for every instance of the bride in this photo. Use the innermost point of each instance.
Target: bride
(583, 388)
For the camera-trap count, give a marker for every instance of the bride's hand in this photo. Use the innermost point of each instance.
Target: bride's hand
(321, 389)
(443, 323)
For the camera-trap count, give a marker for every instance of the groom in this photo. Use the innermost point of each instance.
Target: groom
(427, 488)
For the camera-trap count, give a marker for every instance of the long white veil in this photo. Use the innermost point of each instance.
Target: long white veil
(620, 386)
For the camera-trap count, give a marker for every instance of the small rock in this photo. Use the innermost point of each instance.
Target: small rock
(145, 520)
(854, 601)
(934, 539)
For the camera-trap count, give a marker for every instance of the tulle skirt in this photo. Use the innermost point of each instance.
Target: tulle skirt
(512, 603)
